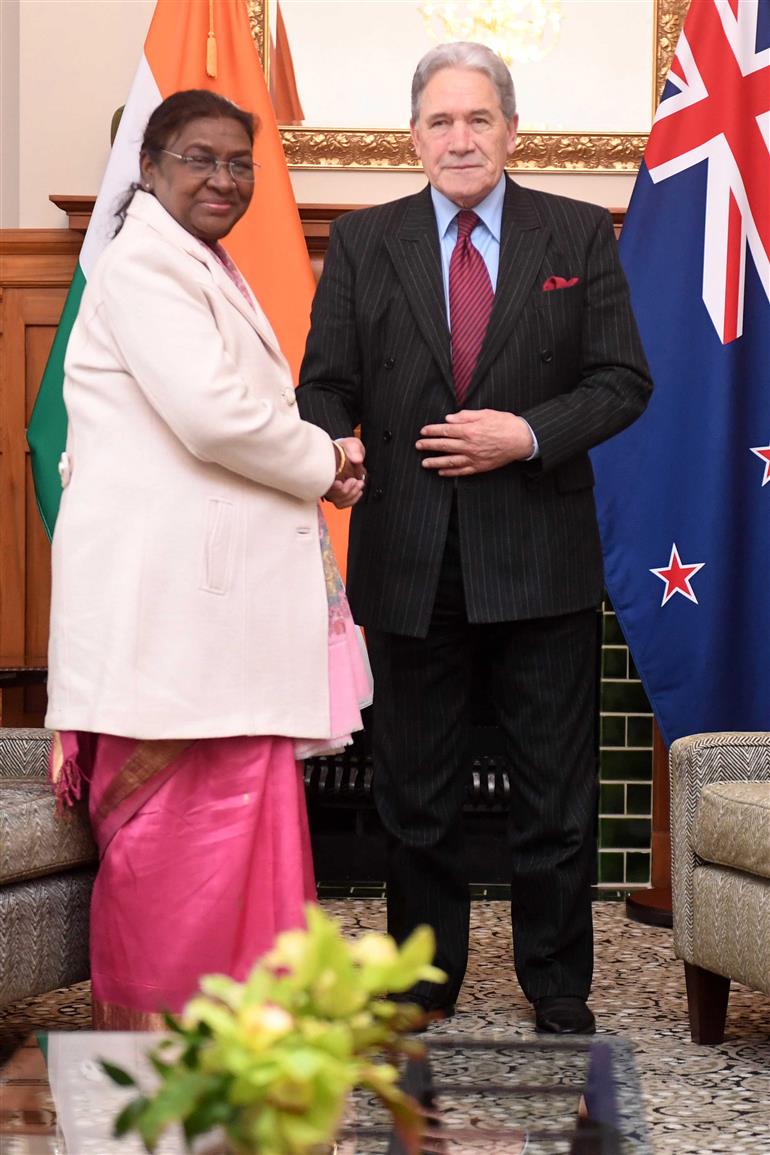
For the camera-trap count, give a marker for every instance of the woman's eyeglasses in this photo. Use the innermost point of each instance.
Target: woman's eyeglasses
(204, 165)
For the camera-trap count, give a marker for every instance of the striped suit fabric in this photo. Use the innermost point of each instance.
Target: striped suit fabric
(502, 567)
(569, 361)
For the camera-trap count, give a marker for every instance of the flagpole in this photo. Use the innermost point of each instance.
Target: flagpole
(652, 905)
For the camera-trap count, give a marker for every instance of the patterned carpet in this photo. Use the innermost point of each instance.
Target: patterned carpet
(698, 1100)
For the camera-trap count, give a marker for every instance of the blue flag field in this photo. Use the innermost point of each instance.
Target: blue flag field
(684, 494)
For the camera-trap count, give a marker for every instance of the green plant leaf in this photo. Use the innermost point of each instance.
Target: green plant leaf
(163, 1067)
(225, 989)
(414, 960)
(190, 1056)
(127, 1119)
(213, 1112)
(177, 1098)
(117, 1074)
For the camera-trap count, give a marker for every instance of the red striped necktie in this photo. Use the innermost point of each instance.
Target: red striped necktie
(470, 303)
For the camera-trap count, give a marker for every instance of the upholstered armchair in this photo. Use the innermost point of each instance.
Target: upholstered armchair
(720, 845)
(47, 866)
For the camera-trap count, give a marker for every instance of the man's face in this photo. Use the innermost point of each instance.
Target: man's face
(461, 136)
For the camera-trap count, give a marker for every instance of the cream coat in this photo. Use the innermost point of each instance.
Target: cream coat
(188, 590)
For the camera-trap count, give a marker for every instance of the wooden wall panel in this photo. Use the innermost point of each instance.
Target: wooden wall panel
(39, 337)
(36, 267)
(12, 477)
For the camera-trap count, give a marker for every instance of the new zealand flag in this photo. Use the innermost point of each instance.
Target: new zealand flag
(684, 493)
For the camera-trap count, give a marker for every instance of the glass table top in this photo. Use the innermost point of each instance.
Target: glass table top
(495, 1096)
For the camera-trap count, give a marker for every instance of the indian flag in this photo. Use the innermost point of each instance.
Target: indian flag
(190, 44)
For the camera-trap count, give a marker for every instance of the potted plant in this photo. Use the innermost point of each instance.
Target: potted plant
(270, 1062)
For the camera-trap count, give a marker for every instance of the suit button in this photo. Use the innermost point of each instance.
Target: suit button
(387, 435)
(390, 362)
(378, 494)
(65, 470)
(546, 355)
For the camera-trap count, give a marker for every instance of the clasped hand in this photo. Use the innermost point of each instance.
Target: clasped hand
(475, 441)
(347, 489)
(470, 441)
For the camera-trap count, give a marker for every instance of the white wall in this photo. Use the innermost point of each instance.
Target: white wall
(9, 113)
(77, 62)
(595, 39)
(69, 64)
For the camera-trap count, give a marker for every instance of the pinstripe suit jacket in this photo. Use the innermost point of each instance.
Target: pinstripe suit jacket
(569, 360)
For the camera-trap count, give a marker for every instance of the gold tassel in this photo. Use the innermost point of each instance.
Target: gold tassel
(211, 45)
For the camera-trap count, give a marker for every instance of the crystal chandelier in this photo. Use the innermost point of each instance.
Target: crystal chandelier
(521, 31)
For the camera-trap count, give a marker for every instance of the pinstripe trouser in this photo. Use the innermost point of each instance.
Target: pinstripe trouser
(542, 675)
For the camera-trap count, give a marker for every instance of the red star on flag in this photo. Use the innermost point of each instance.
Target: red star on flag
(763, 453)
(676, 577)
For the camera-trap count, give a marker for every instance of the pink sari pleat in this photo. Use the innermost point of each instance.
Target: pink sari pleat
(201, 866)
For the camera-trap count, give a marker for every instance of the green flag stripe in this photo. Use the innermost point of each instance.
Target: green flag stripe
(47, 432)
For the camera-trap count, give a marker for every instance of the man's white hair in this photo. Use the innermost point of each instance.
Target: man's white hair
(465, 54)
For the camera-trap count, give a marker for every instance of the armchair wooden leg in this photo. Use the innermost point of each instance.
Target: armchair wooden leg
(707, 996)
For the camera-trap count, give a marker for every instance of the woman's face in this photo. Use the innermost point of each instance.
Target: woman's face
(207, 206)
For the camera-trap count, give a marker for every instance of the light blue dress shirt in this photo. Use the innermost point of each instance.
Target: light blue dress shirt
(485, 238)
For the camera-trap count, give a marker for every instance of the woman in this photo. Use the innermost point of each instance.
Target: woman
(199, 633)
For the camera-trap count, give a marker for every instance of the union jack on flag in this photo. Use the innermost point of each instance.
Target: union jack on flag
(683, 495)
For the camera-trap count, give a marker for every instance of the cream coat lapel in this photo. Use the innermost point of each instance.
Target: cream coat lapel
(252, 312)
(147, 208)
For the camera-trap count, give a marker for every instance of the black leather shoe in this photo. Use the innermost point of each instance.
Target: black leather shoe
(564, 1015)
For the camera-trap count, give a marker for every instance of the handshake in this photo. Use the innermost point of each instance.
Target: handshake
(348, 486)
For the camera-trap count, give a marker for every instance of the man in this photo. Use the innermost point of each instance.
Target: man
(483, 354)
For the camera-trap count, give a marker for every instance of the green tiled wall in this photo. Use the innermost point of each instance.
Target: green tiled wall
(625, 802)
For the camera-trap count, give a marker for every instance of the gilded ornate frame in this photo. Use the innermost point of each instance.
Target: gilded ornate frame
(391, 150)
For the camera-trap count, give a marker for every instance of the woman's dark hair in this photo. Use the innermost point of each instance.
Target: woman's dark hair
(171, 116)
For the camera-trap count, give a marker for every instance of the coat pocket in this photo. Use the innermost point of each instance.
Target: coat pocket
(218, 546)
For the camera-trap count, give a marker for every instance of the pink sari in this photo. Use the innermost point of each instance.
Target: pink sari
(204, 857)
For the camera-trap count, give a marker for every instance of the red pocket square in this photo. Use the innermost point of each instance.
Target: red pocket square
(559, 283)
